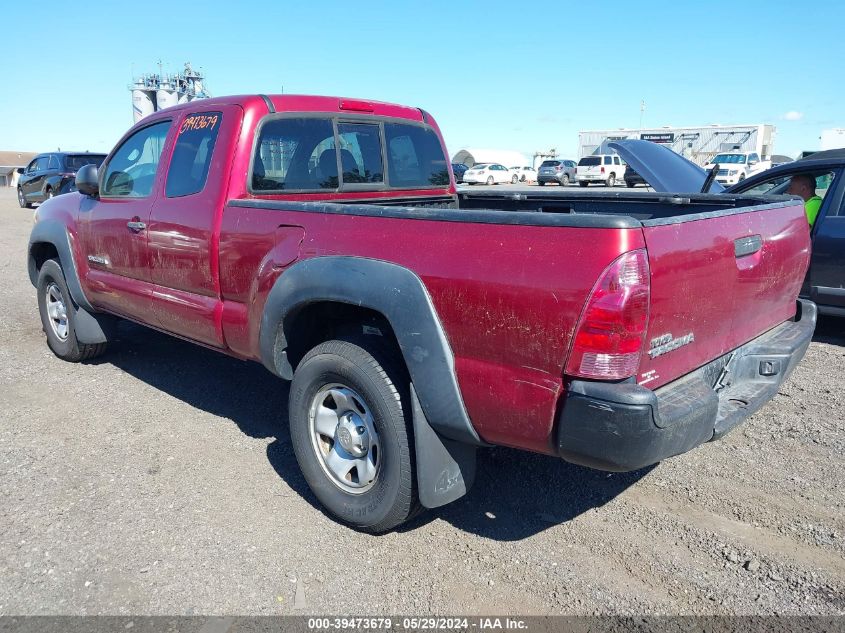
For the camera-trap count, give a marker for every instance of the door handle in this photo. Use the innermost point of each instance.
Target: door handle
(747, 245)
(136, 226)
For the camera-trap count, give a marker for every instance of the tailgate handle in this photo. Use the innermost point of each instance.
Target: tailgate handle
(747, 245)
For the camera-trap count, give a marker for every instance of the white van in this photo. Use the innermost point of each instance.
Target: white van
(607, 169)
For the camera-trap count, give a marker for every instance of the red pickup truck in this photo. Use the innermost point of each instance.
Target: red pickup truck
(324, 238)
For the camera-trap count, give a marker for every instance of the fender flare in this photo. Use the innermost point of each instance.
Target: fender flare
(89, 326)
(398, 294)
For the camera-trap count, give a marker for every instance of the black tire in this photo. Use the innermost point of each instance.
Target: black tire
(48, 193)
(22, 200)
(68, 348)
(541, 182)
(611, 180)
(583, 183)
(490, 181)
(375, 373)
(514, 179)
(629, 184)
(565, 180)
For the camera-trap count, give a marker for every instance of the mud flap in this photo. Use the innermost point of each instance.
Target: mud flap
(93, 328)
(445, 468)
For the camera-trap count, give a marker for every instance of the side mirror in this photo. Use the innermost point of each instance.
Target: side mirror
(20, 170)
(88, 181)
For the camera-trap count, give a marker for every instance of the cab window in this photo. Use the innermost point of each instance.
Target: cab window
(130, 173)
(195, 140)
(360, 153)
(295, 154)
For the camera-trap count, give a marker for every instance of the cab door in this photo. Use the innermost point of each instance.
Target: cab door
(185, 221)
(113, 227)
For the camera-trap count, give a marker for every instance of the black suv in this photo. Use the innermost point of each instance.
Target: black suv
(52, 174)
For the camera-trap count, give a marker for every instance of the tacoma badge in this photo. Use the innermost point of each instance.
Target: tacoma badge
(665, 344)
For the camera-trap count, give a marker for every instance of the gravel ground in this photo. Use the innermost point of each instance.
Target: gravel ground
(160, 480)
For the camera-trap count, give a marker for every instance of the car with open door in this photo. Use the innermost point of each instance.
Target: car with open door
(824, 284)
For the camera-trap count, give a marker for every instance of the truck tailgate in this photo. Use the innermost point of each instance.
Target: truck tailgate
(718, 280)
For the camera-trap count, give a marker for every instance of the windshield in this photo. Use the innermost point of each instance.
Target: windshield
(736, 159)
(550, 163)
(75, 162)
(589, 161)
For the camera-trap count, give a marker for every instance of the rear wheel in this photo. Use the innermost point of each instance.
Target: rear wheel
(583, 183)
(22, 200)
(565, 180)
(629, 184)
(350, 426)
(58, 316)
(541, 182)
(514, 179)
(611, 180)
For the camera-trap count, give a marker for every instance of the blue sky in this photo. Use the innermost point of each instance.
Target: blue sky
(513, 75)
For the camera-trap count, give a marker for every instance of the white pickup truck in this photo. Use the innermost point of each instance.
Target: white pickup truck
(735, 167)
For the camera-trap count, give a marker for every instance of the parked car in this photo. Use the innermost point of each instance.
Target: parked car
(734, 167)
(415, 323)
(606, 169)
(561, 171)
(523, 174)
(487, 173)
(458, 169)
(52, 174)
(825, 279)
(632, 178)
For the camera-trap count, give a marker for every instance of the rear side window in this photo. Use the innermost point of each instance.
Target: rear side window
(195, 141)
(589, 161)
(76, 162)
(414, 157)
(360, 153)
(607, 160)
(54, 162)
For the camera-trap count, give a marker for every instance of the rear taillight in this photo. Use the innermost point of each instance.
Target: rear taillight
(602, 170)
(609, 337)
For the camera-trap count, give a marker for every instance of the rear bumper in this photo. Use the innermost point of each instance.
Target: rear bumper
(558, 178)
(623, 426)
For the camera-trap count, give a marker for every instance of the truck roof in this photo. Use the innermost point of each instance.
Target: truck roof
(310, 103)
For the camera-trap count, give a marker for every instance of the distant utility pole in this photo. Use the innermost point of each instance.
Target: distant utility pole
(642, 109)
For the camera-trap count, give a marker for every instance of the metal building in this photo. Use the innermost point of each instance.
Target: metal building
(698, 144)
(153, 92)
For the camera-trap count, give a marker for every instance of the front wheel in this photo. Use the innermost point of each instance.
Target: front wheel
(350, 426)
(489, 180)
(514, 179)
(58, 316)
(541, 182)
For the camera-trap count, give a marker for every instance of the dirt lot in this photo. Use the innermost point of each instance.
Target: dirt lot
(160, 480)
